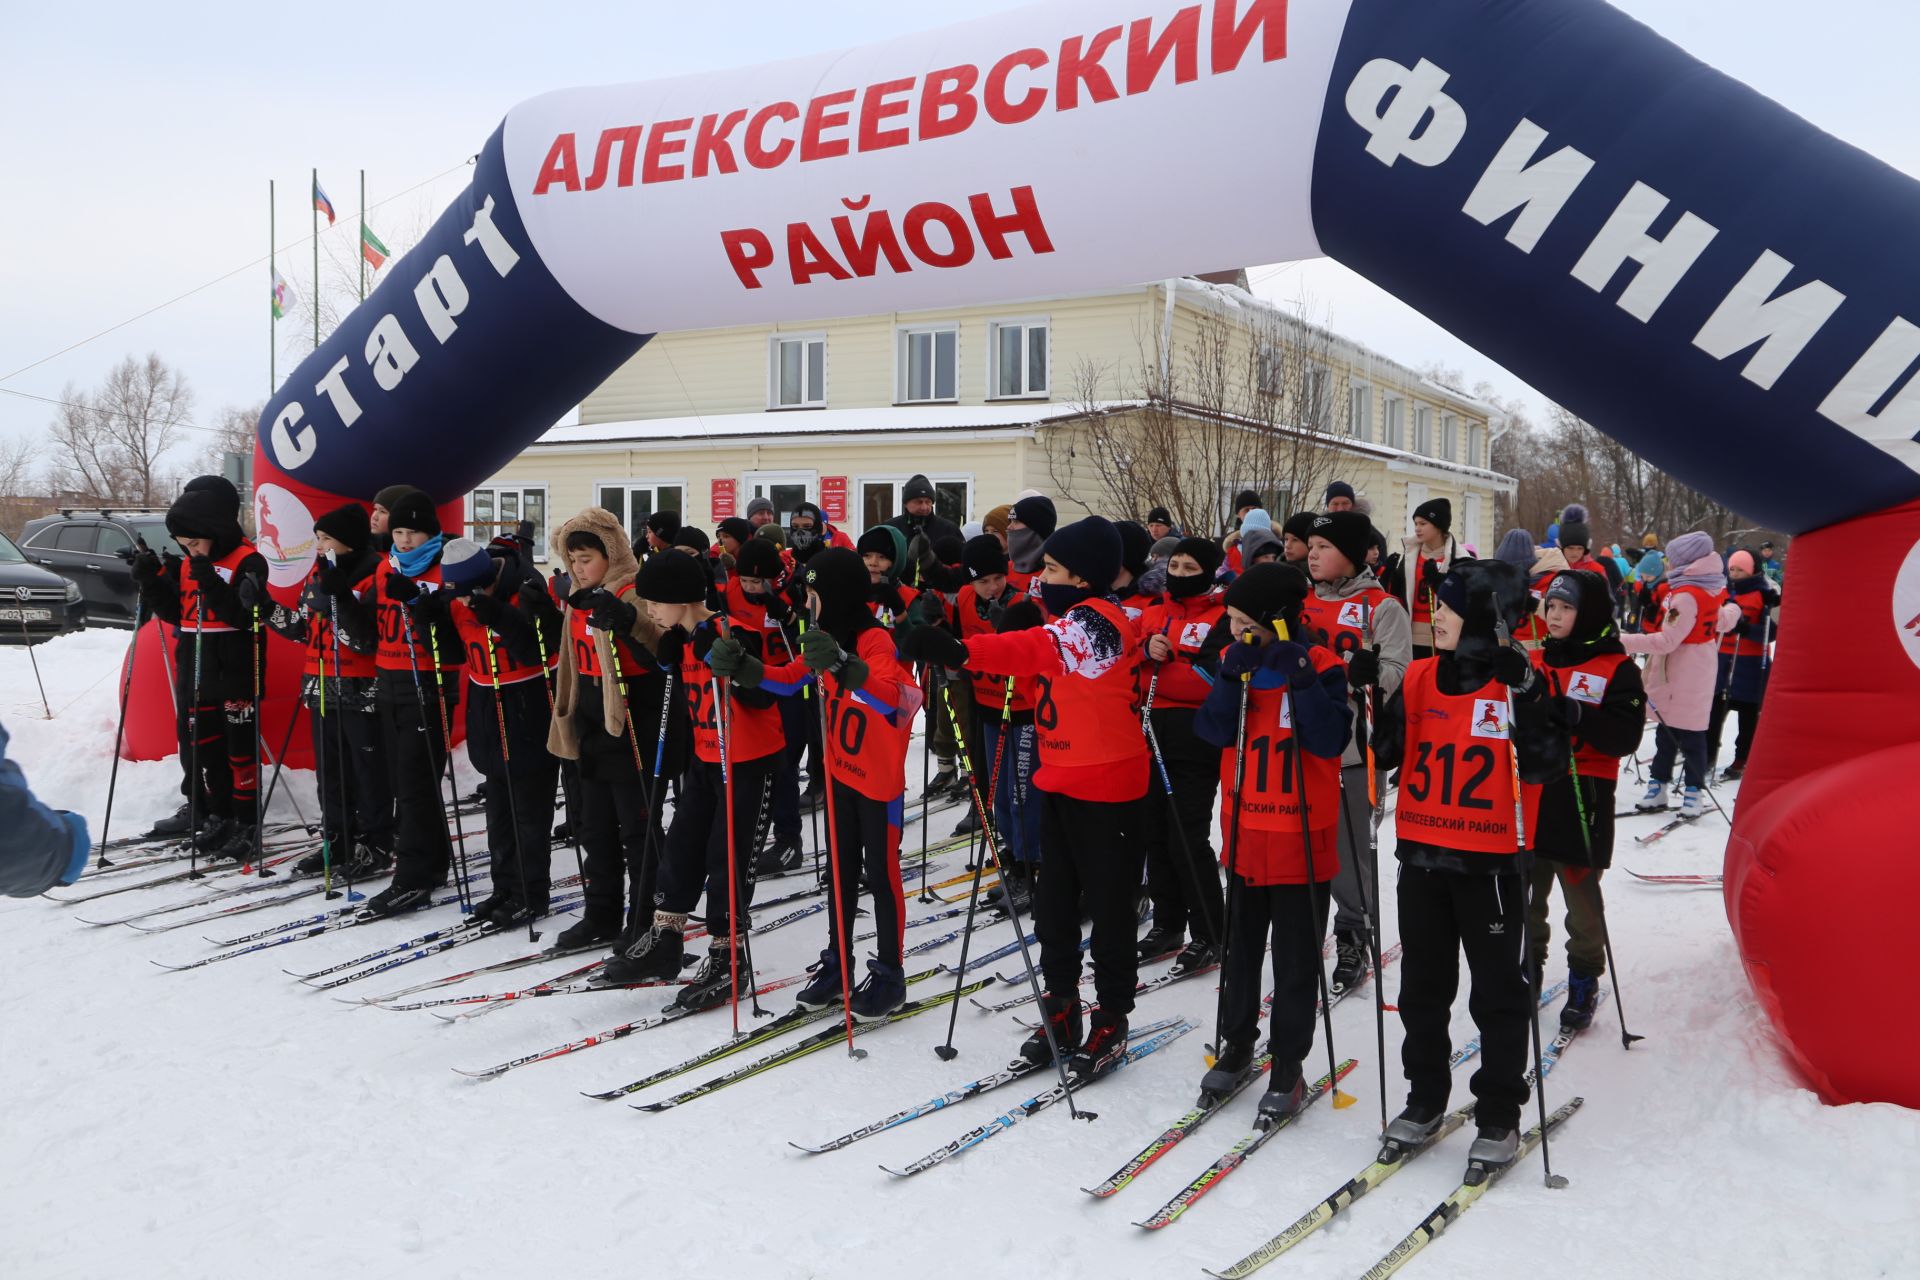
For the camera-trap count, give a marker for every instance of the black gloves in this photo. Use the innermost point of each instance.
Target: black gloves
(670, 647)
(337, 580)
(486, 607)
(203, 571)
(1291, 660)
(1021, 615)
(933, 644)
(1563, 712)
(1240, 659)
(1512, 667)
(146, 566)
(248, 590)
(611, 613)
(400, 587)
(1363, 669)
(1430, 575)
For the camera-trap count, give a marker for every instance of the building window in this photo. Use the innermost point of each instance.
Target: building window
(1019, 352)
(929, 364)
(1360, 413)
(1271, 371)
(1473, 446)
(1470, 515)
(1393, 419)
(1313, 412)
(784, 489)
(1423, 430)
(1449, 427)
(632, 501)
(499, 509)
(880, 499)
(797, 371)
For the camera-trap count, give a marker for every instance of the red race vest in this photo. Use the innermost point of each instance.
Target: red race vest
(753, 732)
(866, 748)
(1586, 683)
(586, 653)
(1706, 613)
(1656, 609)
(488, 661)
(1422, 598)
(1344, 626)
(321, 640)
(1456, 782)
(1271, 799)
(392, 622)
(191, 609)
(1090, 713)
(1534, 629)
(989, 692)
(1751, 645)
(1186, 624)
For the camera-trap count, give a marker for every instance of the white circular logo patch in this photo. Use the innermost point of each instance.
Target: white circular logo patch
(283, 532)
(1906, 604)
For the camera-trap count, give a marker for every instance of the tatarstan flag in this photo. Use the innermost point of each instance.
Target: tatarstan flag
(370, 247)
(283, 298)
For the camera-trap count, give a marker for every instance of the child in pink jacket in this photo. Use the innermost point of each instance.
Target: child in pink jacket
(1684, 663)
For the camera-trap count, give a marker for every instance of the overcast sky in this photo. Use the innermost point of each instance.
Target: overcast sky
(136, 143)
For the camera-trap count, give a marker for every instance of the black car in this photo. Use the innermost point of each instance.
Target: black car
(35, 604)
(93, 549)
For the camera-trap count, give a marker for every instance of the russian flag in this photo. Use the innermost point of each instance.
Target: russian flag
(321, 202)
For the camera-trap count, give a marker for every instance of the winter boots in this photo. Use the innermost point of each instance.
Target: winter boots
(1413, 1126)
(1160, 941)
(180, 823)
(778, 858)
(1583, 995)
(1233, 1065)
(586, 933)
(1195, 957)
(825, 988)
(712, 984)
(1062, 1014)
(1655, 799)
(1690, 803)
(393, 900)
(1349, 961)
(968, 825)
(882, 994)
(1105, 1046)
(1286, 1094)
(655, 956)
(1495, 1148)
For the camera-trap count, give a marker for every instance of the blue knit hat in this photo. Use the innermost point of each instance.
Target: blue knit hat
(464, 564)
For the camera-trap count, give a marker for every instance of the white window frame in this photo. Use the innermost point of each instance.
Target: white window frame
(1476, 454)
(857, 496)
(1314, 372)
(1470, 514)
(748, 479)
(1024, 324)
(1393, 421)
(1449, 430)
(1360, 425)
(811, 397)
(540, 532)
(902, 361)
(1270, 369)
(1417, 495)
(1423, 429)
(639, 482)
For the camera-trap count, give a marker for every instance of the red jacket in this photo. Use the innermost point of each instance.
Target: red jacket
(1186, 624)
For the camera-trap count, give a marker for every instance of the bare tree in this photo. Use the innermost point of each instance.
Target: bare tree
(233, 431)
(111, 444)
(20, 478)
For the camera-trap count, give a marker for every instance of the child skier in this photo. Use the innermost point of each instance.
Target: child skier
(870, 701)
(1680, 676)
(710, 845)
(611, 724)
(1448, 730)
(213, 599)
(1584, 664)
(507, 624)
(1278, 827)
(1744, 660)
(1093, 772)
(341, 703)
(1175, 819)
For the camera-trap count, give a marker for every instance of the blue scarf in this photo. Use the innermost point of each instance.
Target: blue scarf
(417, 561)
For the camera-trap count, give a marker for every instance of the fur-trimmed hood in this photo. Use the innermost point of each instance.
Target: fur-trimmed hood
(604, 525)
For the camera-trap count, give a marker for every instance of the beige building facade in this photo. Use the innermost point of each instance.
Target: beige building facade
(1058, 394)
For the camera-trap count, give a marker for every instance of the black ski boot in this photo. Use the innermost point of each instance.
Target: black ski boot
(654, 956)
(1160, 941)
(1233, 1065)
(484, 909)
(1413, 1126)
(316, 863)
(1064, 1016)
(512, 913)
(586, 933)
(1105, 1046)
(1195, 957)
(1493, 1149)
(1349, 961)
(782, 856)
(240, 846)
(884, 991)
(214, 832)
(1286, 1094)
(712, 984)
(180, 823)
(393, 900)
(942, 781)
(968, 825)
(825, 988)
(367, 861)
(1583, 996)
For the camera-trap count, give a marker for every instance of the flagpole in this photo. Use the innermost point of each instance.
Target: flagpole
(363, 235)
(273, 276)
(314, 213)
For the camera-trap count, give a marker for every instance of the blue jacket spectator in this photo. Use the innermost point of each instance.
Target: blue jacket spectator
(39, 847)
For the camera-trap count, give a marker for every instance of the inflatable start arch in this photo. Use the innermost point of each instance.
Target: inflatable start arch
(1672, 256)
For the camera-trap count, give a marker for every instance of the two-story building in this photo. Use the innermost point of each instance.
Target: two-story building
(1177, 393)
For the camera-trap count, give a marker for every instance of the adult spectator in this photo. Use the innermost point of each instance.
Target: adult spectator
(760, 511)
(1340, 497)
(1160, 524)
(919, 518)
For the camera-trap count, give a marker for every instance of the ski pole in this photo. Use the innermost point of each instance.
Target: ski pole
(506, 769)
(1296, 763)
(1202, 900)
(120, 733)
(348, 794)
(26, 641)
(193, 750)
(461, 888)
(1233, 840)
(256, 642)
(1367, 877)
(926, 767)
(946, 1052)
(648, 794)
(566, 792)
(446, 755)
(723, 721)
(1553, 1180)
(1599, 902)
(836, 893)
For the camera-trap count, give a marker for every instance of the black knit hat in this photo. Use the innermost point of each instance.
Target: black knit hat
(1350, 533)
(917, 487)
(949, 547)
(1340, 489)
(1159, 515)
(220, 487)
(1089, 549)
(839, 577)
(692, 537)
(1247, 498)
(1437, 512)
(1037, 514)
(758, 558)
(1205, 550)
(1480, 590)
(413, 510)
(392, 494)
(664, 524)
(198, 513)
(736, 528)
(1300, 525)
(1136, 546)
(671, 579)
(1573, 527)
(347, 525)
(883, 540)
(984, 556)
(1268, 591)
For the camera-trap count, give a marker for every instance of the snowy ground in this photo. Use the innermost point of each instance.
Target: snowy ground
(228, 1122)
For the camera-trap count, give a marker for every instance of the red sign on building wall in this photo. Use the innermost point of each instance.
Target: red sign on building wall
(725, 498)
(833, 498)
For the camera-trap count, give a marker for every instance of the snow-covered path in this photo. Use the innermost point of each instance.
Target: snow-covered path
(230, 1123)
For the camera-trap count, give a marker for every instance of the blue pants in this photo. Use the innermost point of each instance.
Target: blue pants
(1692, 747)
(1016, 811)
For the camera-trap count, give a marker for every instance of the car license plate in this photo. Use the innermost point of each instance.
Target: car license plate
(32, 615)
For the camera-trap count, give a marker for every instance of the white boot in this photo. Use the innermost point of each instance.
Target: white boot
(1690, 803)
(1655, 799)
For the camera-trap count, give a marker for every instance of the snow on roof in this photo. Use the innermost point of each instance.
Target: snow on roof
(874, 420)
